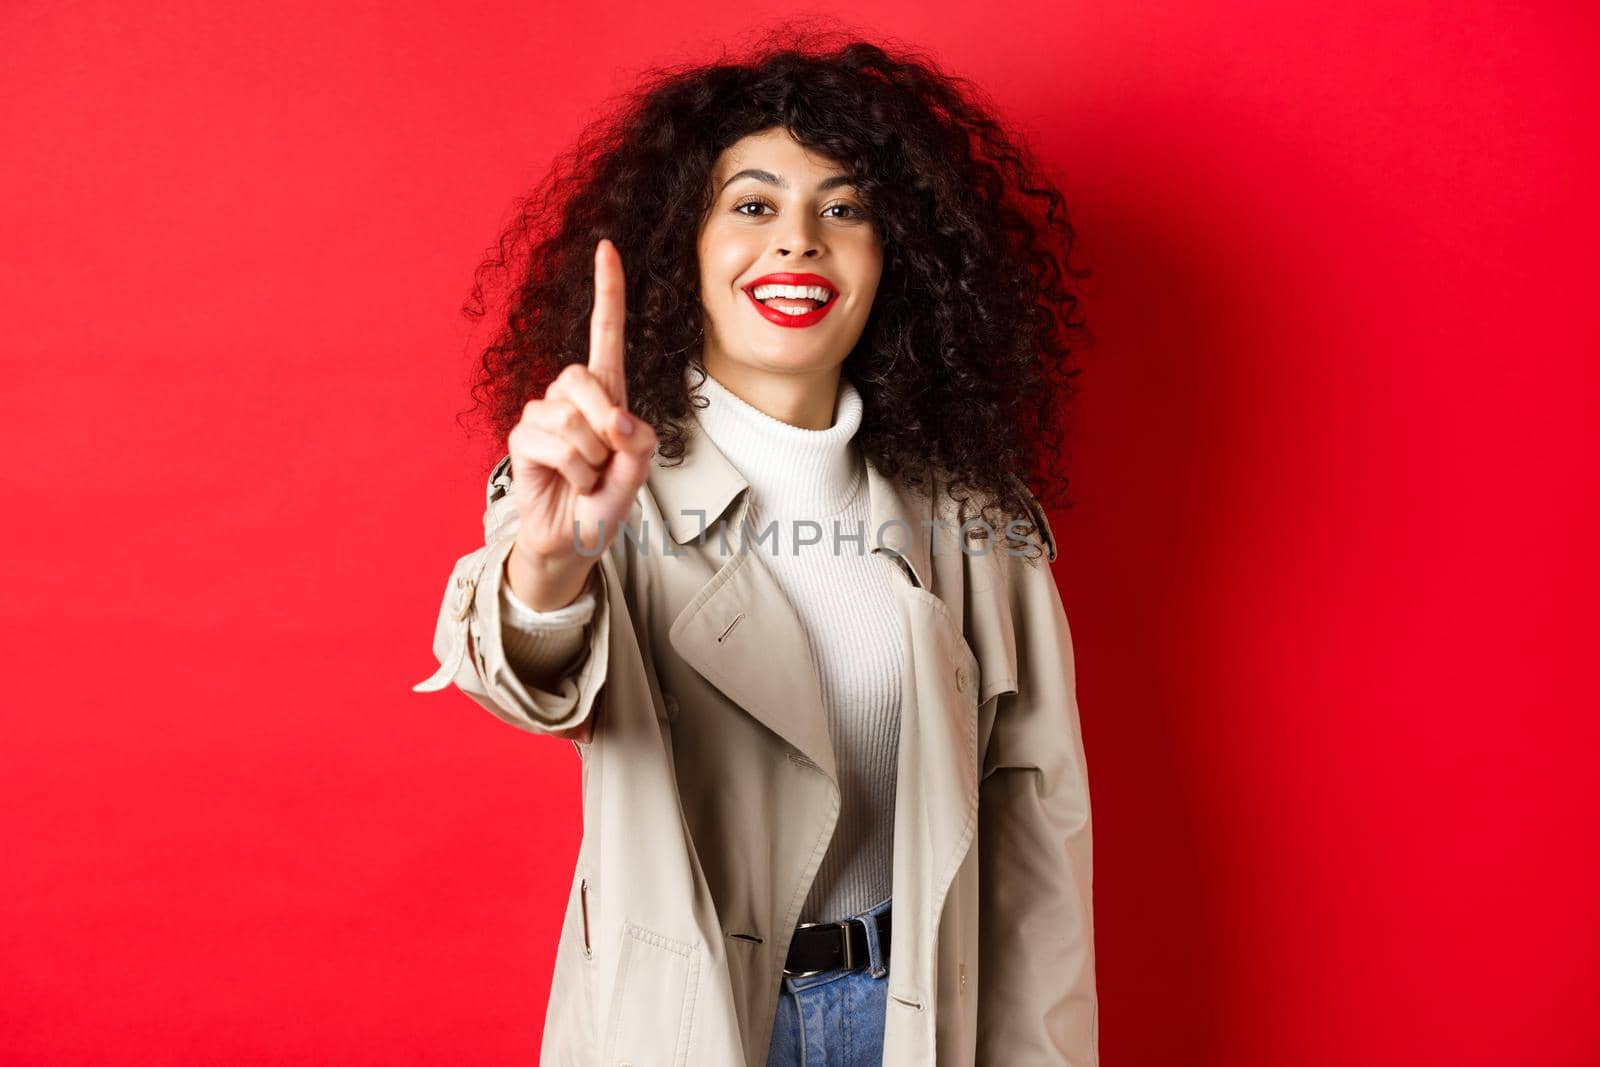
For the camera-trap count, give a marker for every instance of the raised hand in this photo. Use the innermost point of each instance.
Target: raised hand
(573, 459)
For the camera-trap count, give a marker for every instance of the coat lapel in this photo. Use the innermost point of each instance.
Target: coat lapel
(740, 631)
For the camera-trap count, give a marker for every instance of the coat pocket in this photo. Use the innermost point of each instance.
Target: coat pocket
(652, 1007)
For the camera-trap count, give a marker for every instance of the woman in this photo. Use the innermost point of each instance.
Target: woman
(835, 803)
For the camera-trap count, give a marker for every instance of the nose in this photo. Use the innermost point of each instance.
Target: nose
(802, 239)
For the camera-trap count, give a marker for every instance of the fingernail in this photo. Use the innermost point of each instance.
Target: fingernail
(624, 424)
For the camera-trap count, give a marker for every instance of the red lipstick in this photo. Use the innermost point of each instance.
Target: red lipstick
(783, 318)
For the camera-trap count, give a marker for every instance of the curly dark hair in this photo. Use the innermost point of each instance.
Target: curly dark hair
(964, 364)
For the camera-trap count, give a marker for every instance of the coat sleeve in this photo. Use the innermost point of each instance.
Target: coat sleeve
(470, 638)
(1037, 1001)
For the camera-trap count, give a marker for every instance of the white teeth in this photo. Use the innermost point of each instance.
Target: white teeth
(793, 292)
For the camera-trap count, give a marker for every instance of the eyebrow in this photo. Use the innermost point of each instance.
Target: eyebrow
(773, 179)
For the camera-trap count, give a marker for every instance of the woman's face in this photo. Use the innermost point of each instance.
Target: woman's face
(780, 210)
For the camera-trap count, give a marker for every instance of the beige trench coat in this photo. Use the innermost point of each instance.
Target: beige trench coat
(710, 792)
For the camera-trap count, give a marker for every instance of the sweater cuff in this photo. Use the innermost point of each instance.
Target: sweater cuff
(542, 644)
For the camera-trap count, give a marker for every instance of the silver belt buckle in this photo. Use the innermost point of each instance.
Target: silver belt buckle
(844, 934)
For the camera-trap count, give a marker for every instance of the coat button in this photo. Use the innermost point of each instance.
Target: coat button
(961, 679)
(671, 704)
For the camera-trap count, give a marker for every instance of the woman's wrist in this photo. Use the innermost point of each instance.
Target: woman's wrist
(544, 583)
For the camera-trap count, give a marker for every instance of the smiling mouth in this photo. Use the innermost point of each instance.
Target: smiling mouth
(791, 310)
(792, 300)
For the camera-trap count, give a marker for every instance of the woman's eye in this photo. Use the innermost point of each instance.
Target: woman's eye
(853, 211)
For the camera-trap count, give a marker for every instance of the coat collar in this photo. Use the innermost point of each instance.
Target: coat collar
(697, 491)
(729, 629)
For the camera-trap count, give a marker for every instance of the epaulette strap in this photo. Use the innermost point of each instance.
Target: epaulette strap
(499, 481)
(1042, 523)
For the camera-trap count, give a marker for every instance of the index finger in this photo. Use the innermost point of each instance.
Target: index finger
(606, 323)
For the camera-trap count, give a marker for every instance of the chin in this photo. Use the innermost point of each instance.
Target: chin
(795, 358)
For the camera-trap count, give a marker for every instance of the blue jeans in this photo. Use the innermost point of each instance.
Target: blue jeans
(835, 1018)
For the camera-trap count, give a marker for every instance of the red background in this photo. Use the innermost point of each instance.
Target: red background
(1327, 569)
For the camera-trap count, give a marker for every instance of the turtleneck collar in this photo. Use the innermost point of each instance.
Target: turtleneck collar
(791, 470)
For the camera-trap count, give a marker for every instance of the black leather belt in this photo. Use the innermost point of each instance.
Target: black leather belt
(819, 947)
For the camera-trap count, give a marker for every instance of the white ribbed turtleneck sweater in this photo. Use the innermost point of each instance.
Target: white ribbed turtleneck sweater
(797, 475)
